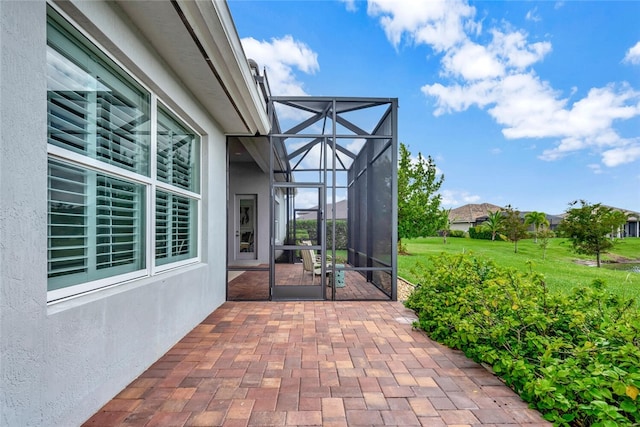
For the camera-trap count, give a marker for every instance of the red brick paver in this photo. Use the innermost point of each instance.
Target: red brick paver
(313, 363)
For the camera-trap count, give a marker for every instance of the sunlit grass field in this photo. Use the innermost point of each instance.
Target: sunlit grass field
(559, 268)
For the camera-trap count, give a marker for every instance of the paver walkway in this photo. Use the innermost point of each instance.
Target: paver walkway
(314, 363)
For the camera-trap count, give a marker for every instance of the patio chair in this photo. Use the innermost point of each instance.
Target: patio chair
(246, 242)
(310, 261)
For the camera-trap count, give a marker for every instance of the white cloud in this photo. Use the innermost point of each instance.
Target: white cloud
(350, 5)
(498, 76)
(514, 50)
(472, 61)
(414, 160)
(454, 198)
(596, 168)
(313, 157)
(588, 124)
(440, 24)
(633, 55)
(621, 155)
(532, 15)
(281, 57)
(356, 145)
(306, 198)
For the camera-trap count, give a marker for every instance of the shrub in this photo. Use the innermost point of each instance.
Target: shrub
(457, 233)
(478, 232)
(301, 235)
(575, 358)
(311, 227)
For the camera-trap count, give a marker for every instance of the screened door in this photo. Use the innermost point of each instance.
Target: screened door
(300, 266)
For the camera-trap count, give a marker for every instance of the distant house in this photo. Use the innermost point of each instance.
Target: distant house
(632, 227)
(340, 213)
(470, 215)
(554, 220)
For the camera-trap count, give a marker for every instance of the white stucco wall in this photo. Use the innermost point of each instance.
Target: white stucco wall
(462, 226)
(23, 217)
(248, 178)
(59, 363)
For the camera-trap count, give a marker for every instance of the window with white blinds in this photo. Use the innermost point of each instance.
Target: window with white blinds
(178, 152)
(176, 228)
(95, 108)
(178, 161)
(95, 225)
(100, 183)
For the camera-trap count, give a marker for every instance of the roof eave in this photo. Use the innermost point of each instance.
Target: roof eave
(216, 32)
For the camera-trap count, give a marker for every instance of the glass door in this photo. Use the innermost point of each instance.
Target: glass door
(300, 267)
(246, 232)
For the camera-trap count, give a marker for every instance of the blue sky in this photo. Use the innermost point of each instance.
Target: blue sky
(528, 103)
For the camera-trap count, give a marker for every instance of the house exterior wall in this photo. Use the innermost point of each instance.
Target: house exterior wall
(461, 226)
(631, 229)
(248, 178)
(60, 362)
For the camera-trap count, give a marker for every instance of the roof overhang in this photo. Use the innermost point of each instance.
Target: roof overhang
(199, 42)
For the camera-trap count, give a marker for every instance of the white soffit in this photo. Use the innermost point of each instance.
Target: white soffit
(198, 41)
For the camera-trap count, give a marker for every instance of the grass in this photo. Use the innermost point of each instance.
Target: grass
(559, 268)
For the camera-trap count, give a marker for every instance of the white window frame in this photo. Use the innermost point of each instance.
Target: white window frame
(151, 184)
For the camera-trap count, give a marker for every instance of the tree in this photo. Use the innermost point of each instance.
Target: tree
(493, 223)
(537, 219)
(445, 224)
(587, 226)
(545, 238)
(514, 226)
(616, 220)
(418, 198)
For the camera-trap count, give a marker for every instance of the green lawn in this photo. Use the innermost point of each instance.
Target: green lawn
(559, 268)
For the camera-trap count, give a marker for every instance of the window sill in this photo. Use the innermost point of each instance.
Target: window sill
(101, 294)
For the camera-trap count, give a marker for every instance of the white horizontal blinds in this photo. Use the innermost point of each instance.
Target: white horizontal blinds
(121, 127)
(96, 220)
(162, 227)
(178, 153)
(176, 228)
(95, 108)
(181, 241)
(178, 167)
(119, 224)
(95, 227)
(100, 183)
(67, 109)
(68, 252)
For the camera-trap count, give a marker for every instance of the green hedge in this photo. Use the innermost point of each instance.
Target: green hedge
(311, 227)
(457, 233)
(575, 358)
(478, 233)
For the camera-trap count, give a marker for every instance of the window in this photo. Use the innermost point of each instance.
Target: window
(92, 236)
(176, 212)
(100, 180)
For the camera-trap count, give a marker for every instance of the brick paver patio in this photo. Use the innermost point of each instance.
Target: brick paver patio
(314, 363)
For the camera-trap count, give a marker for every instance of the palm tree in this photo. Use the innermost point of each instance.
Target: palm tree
(493, 223)
(538, 219)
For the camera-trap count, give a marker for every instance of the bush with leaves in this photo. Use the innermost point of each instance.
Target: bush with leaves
(575, 358)
(309, 227)
(481, 233)
(457, 233)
